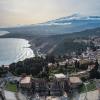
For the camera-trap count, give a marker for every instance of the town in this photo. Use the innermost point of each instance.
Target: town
(51, 77)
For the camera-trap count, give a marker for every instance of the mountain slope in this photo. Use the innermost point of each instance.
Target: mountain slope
(65, 25)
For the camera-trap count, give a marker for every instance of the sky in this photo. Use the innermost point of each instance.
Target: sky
(20, 12)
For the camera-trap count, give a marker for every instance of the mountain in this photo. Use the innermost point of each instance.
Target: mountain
(74, 19)
(64, 25)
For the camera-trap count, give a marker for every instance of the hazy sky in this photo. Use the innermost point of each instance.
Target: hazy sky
(14, 12)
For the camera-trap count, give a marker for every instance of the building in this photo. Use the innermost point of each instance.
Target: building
(75, 82)
(59, 85)
(40, 86)
(25, 82)
(60, 76)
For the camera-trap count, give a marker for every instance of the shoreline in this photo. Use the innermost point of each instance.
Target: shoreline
(28, 46)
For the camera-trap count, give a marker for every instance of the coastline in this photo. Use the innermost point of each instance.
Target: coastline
(28, 46)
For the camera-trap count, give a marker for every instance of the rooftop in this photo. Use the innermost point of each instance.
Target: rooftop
(25, 80)
(75, 80)
(59, 76)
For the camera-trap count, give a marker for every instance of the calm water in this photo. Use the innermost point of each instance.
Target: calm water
(13, 50)
(3, 32)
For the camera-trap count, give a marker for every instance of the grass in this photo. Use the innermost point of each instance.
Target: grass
(90, 87)
(11, 87)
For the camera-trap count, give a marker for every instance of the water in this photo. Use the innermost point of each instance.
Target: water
(13, 50)
(3, 32)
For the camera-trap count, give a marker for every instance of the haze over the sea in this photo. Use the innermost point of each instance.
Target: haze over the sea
(19, 12)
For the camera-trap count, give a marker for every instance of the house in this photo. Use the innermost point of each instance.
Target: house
(25, 82)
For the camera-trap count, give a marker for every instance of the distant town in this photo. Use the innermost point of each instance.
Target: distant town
(74, 76)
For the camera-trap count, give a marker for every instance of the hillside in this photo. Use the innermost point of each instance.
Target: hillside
(57, 44)
(65, 25)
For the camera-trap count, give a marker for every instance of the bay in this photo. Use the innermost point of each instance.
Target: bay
(13, 50)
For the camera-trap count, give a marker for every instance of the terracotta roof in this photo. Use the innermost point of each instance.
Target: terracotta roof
(25, 80)
(75, 80)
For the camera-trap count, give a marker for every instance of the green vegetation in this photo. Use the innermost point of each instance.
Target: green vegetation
(90, 87)
(69, 70)
(68, 46)
(11, 87)
(64, 42)
(54, 71)
(29, 66)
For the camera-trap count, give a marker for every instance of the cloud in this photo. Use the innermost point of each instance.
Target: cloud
(35, 11)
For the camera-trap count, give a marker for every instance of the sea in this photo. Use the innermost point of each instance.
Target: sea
(14, 50)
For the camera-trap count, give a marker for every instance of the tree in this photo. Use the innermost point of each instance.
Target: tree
(94, 72)
(29, 66)
(77, 65)
(50, 58)
(96, 65)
